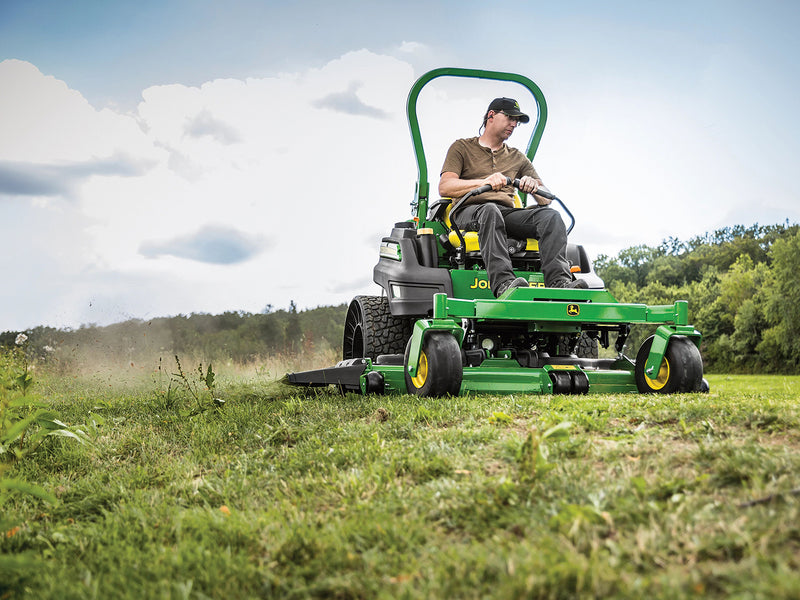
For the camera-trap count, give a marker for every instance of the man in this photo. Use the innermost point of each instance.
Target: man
(486, 159)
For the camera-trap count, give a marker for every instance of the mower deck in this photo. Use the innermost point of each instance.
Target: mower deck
(542, 309)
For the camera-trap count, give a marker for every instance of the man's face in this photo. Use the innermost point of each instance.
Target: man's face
(501, 123)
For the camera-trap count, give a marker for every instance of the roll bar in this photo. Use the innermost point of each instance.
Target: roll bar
(423, 186)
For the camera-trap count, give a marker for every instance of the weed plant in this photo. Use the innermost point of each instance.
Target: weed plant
(26, 425)
(278, 494)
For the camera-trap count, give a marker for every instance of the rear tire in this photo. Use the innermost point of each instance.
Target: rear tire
(681, 370)
(370, 329)
(440, 370)
(586, 346)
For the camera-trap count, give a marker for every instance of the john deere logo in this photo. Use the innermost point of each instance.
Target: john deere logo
(573, 310)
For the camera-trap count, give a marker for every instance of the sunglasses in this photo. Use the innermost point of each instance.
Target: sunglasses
(512, 117)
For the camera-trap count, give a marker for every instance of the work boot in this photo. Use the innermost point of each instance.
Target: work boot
(575, 284)
(511, 283)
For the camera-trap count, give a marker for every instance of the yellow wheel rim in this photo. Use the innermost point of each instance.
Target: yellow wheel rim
(422, 371)
(661, 379)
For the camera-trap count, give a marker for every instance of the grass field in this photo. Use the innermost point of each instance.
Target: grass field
(270, 494)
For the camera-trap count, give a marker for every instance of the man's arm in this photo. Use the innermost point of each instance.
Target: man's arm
(451, 186)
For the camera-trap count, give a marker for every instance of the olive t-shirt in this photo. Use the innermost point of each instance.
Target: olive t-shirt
(469, 160)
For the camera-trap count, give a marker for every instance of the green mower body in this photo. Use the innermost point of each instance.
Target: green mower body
(438, 329)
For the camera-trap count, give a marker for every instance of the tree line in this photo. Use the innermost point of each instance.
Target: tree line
(741, 283)
(240, 337)
(742, 286)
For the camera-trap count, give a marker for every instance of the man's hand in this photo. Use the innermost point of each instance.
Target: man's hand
(528, 184)
(496, 180)
(534, 184)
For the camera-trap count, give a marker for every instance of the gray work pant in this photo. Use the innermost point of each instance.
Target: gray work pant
(495, 224)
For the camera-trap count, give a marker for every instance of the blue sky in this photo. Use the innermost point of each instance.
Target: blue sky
(155, 156)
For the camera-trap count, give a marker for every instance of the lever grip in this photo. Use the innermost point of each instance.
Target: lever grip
(540, 192)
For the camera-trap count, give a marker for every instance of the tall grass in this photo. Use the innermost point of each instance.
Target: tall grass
(277, 494)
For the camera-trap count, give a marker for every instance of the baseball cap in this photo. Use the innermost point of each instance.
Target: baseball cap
(510, 107)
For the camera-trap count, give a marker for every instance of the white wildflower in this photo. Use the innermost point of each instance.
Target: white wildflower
(21, 339)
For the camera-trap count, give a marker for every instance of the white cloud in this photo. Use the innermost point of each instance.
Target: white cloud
(412, 47)
(287, 177)
(43, 121)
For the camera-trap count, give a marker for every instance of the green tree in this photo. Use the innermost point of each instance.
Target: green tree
(781, 342)
(667, 270)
